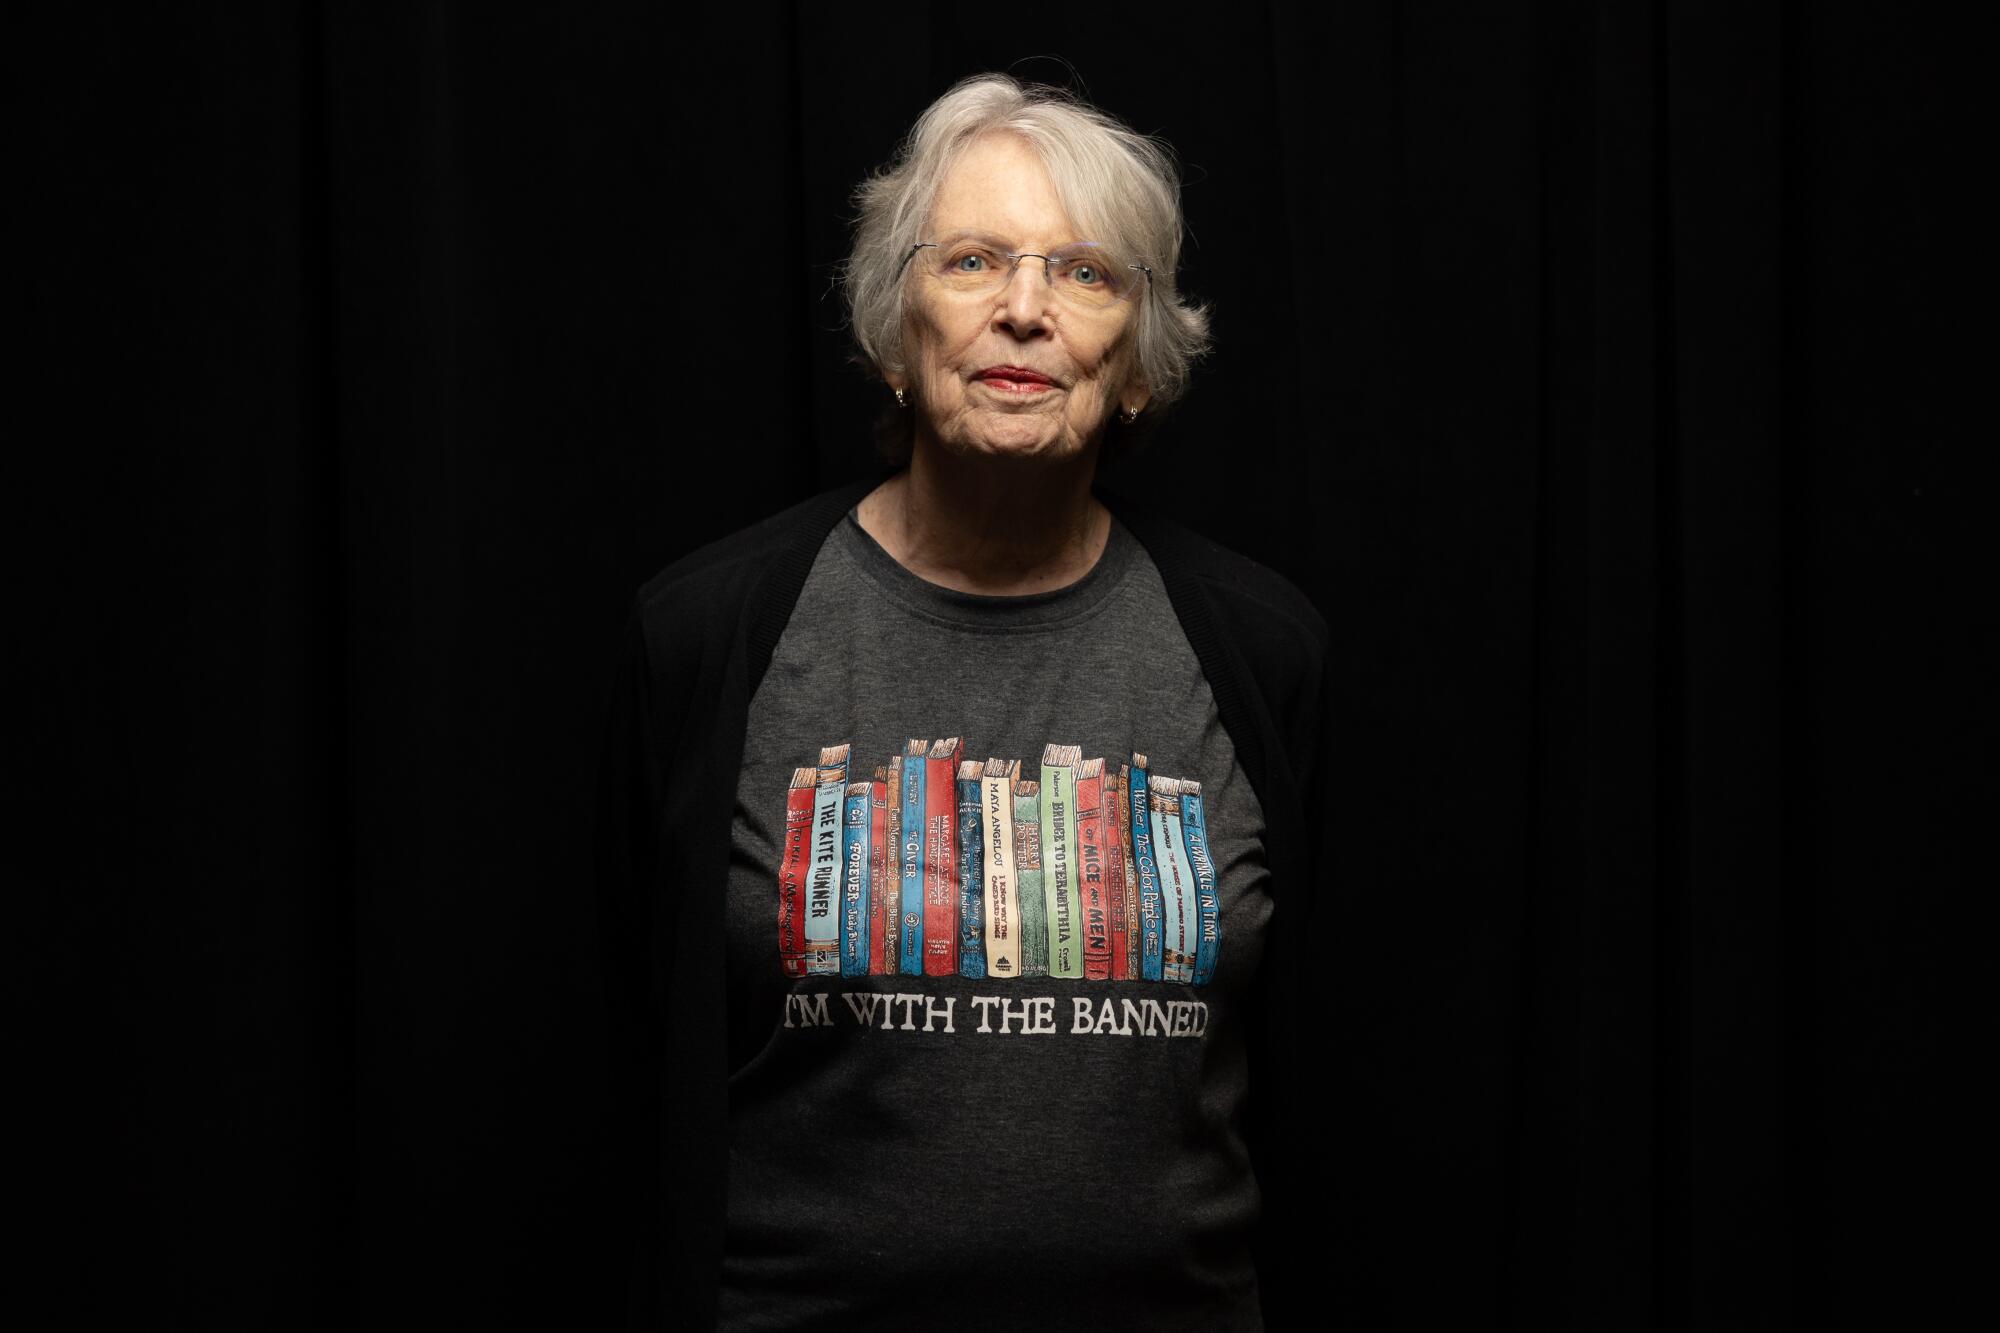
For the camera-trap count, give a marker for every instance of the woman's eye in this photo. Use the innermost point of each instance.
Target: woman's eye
(969, 263)
(1086, 274)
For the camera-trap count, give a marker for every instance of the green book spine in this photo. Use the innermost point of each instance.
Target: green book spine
(1059, 857)
(1028, 871)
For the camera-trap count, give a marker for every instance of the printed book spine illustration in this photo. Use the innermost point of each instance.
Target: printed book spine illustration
(793, 867)
(1176, 883)
(910, 957)
(1003, 901)
(892, 885)
(1114, 872)
(856, 889)
(1194, 832)
(1059, 858)
(1131, 881)
(822, 918)
(941, 858)
(971, 872)
(1091, 886)
(945, 866)
(881, 915)
(1148, 871)
(1028, 870)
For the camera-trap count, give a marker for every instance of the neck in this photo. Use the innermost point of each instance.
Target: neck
(996, 526)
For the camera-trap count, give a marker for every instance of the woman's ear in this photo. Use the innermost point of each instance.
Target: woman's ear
(1135, 393)
(1133, 401)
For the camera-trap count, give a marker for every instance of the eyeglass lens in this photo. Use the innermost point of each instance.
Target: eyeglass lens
(1083, 273)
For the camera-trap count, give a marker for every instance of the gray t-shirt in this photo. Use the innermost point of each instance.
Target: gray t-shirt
(1015, 1102)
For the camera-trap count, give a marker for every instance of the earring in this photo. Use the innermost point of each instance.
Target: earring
(1131, 414)
(901, 401)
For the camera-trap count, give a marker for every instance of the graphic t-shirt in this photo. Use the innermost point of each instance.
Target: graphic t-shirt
(996, 896)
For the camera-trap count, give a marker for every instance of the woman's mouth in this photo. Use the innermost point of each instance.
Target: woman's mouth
(1014, 380)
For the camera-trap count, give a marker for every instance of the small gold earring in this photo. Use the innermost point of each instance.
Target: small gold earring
(901, 401)
(1131, 415)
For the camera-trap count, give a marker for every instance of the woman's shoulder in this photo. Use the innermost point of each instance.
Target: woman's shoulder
(1256, 599)
(1264, 645)
(722, 572)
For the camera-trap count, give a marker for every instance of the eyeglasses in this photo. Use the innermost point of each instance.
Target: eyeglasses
(1084, 273)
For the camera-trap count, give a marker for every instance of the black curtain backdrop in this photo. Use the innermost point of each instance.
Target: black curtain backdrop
(1578, 360)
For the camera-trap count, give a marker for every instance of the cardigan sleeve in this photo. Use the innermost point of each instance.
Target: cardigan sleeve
(630, 793)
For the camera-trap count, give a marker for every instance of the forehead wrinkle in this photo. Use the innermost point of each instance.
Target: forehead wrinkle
(999, 185)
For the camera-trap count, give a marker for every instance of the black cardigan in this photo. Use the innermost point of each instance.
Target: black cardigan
(699, 638)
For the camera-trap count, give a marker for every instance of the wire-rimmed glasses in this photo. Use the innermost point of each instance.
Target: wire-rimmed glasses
(1085, 274)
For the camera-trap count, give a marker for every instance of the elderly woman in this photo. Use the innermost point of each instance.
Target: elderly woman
(955, 876)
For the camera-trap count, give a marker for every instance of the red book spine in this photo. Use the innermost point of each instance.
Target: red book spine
(1114, 872)
(879, 916)
(1091, 895)
(941, 858)
(794, 862)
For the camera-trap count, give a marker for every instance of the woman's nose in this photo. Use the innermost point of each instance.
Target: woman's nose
(1028, 295)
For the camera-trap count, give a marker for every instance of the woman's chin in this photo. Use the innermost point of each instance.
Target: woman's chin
(1017, 438)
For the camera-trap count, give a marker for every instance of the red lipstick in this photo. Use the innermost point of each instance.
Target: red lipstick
(1014, 379)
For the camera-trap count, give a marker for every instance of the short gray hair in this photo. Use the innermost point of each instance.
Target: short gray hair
(1120, 186)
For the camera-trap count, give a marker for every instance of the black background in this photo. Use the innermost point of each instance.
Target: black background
(1583, 363)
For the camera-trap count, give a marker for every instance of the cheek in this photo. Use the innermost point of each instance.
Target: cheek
(932, 338)
(1111, 364)
(1115, 354)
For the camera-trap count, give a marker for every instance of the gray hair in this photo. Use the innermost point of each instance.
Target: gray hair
(1120, 186)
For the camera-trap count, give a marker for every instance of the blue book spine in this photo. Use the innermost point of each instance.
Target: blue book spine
(1149, 872)
(971, 875)
(1176, 883)
(1194, 832)
(910, 953)
(855, 851)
